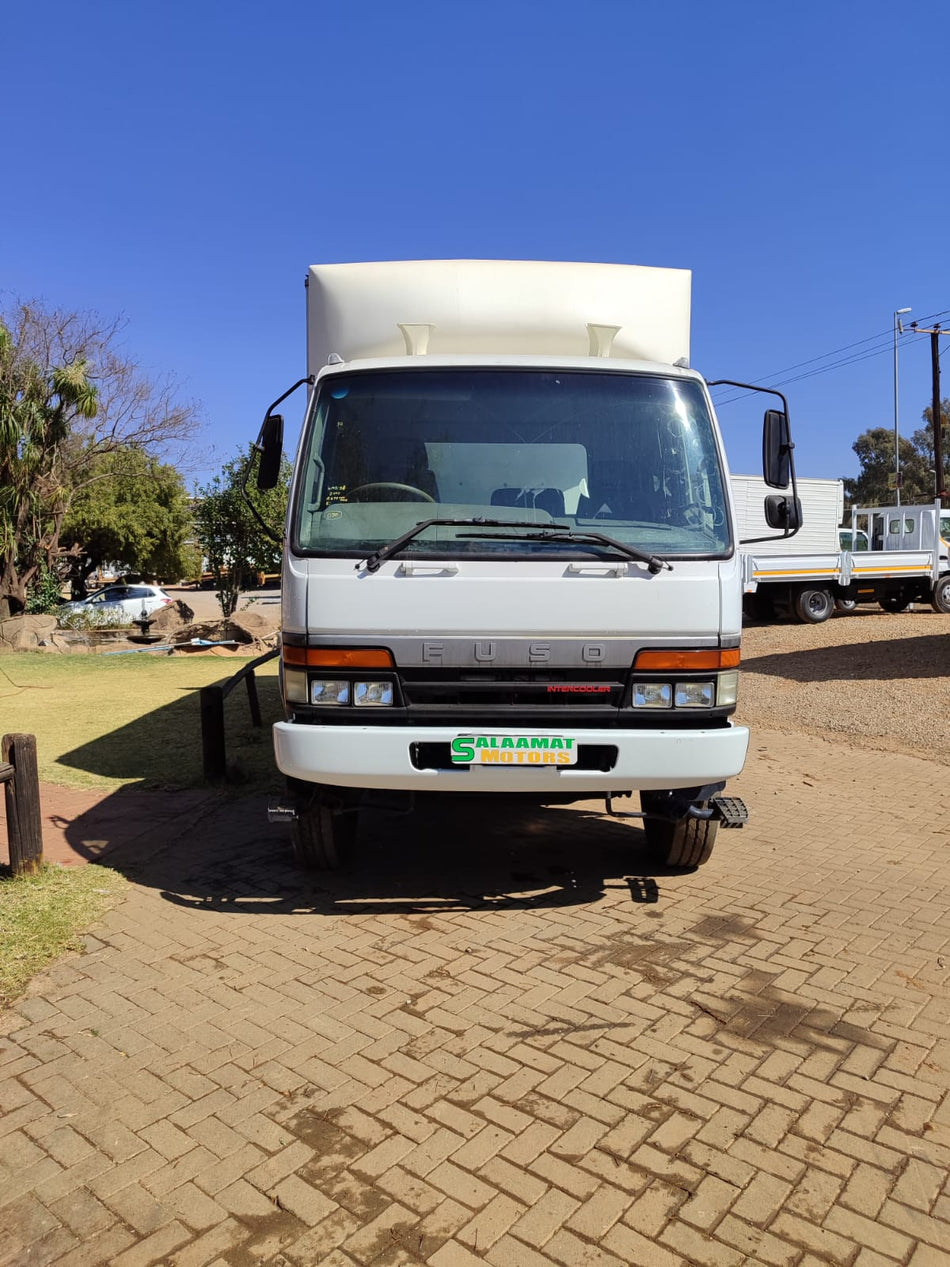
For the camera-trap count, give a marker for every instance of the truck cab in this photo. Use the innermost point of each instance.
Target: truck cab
(510, 562)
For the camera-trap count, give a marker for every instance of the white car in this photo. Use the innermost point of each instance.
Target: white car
(119, 604)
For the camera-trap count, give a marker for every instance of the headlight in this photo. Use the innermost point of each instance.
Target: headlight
(373, 694)
(652, 695)
(695, 694)
(329, 691)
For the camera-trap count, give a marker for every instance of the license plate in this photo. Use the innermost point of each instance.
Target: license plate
(533, 750)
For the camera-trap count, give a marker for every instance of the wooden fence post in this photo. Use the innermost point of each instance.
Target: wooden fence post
(252, 700)
(22, 793)
(212, 733)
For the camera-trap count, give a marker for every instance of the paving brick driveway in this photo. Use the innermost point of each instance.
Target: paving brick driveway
(497, 1039)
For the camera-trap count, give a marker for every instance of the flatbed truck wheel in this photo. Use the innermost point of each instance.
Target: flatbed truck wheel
(812, 605)
(940, 598)
(680, 843)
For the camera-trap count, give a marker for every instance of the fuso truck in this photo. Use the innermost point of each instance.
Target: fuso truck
(511, 557)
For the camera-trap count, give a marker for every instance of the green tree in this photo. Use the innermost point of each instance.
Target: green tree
(132, 510)
(234, 543)
(67, 398)
(875, 451)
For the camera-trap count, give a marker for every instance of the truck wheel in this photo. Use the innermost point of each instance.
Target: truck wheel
(319, 835)
(682, 843)
(812, 606)
(845, 605)
(894, 603)
(940, 598)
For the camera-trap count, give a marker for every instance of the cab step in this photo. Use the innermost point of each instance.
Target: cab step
(731, 811)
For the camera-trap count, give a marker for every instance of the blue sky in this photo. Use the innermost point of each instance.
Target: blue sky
(182, 163)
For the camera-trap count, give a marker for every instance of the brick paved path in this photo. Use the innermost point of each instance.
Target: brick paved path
(497, 1039)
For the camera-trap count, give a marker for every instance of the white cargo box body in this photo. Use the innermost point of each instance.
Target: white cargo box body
(822, 507)
(506, 307)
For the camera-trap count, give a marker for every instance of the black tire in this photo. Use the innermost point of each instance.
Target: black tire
(679, 843)
(894, 603)
(845, 605)
(812, 606)
(320, 835)
(940, 597)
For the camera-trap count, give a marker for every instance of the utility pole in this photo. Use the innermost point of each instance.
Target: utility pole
(935, 332)
(898, 329)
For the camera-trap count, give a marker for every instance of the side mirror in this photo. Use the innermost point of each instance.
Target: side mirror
(776, 449)
(270, 444)
(782, 511)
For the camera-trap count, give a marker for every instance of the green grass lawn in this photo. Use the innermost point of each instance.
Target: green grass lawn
(105, 722)
(42, 916)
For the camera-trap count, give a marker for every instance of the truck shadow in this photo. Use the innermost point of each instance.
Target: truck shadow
(924, 656)
(219, 855)
(162, 748)
(207, 849)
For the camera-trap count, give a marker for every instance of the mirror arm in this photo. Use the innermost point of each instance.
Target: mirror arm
(310, 379)
(749, 387)
(257, 449)
(772, 391)
(266, 528)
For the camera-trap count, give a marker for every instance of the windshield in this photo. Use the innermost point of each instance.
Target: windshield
(629, 456)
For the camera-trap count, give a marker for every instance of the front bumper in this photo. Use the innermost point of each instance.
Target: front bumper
(379, 757)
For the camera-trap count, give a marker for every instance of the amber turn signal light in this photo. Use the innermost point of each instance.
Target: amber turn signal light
(687, 661)
(338, 657)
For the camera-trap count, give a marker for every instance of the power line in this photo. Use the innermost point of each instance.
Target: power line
(854, 359)
(883, 347)
(825, 369)
(788, 369)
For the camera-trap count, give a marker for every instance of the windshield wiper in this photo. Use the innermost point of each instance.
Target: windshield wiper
(561, 532)
(371, 562)
(554, 532)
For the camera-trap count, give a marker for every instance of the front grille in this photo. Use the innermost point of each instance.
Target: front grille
(441, 688)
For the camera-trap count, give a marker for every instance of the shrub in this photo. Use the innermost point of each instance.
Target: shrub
(44, 595)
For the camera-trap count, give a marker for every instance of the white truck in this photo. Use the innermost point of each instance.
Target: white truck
(897, 557)
(510, 561)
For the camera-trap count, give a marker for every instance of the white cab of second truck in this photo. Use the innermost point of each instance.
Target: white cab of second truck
(511, 561)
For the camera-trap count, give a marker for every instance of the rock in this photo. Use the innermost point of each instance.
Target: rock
(23, 633)
(68, 642)
(171, 617)
(251, 624)
(237, 629)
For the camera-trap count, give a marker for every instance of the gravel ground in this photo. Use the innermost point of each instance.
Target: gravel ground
(881, 680)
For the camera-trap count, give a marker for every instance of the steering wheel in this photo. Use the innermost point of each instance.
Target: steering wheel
(415, 494)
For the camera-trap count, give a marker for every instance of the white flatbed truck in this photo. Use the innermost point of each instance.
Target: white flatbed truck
(906, 562)
(511, 560)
